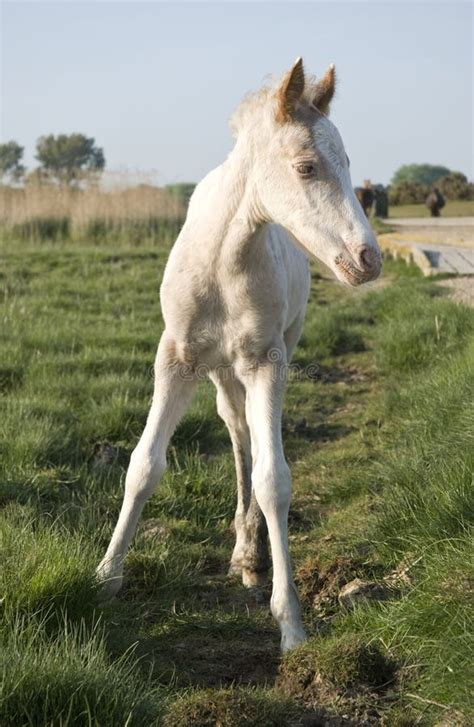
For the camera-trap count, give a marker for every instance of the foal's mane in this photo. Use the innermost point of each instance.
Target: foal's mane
(264, 101)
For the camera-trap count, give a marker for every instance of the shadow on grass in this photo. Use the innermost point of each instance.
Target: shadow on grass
(10, 379)
(297, 436)
(208, 432)
(204, 650)
(325, 432)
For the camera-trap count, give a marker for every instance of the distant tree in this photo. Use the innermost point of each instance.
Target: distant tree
(67, 159)
(11, 167)
(456, 186)
(419, 173)
(181, 190)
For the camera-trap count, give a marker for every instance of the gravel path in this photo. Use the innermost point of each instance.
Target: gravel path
(431, 221)
(448, 231)
(440, 230)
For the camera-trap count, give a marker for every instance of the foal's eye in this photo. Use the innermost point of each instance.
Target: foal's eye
(305, 169)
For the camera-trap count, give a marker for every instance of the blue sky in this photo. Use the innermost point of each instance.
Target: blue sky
(155, 82)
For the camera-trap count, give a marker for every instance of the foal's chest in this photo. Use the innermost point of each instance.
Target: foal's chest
(217, 321)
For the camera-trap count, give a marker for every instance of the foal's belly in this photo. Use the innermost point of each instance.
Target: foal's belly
(226, 344)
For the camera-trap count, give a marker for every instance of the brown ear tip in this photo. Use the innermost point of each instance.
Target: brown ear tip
(298, 68)
(325, 89)
(331, 75)
(290, 91)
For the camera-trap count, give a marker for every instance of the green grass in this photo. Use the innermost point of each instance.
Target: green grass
(69, 679)
(382, 470)
(379, 226)
(454, 208)
(44, 569)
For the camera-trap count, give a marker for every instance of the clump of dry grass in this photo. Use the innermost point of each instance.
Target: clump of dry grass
(47, 211)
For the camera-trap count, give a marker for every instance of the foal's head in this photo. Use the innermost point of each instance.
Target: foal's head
(299, 174)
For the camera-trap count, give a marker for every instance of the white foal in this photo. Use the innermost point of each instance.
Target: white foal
(233, 298)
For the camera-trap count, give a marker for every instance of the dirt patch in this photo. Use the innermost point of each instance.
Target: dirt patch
(204, 655)
(347, 375)
(325, 432)
(329, 374)
(232, 708)
(359, 592)
(106, 455)
(153, 529)
(319, 584)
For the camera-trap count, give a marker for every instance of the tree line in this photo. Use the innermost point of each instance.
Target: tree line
(412, 183)
(65, 159)
(71, 159)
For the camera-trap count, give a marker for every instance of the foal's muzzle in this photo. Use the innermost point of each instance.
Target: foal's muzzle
(361, 265)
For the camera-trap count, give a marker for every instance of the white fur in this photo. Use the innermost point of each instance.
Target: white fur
(233, 297)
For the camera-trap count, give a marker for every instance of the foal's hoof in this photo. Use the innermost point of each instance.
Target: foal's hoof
(235, 569)
(291, 637)
(110, 583)
(253, 579)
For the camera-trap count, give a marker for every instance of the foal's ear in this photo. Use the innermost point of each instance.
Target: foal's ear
(324, 90)
(290, 92)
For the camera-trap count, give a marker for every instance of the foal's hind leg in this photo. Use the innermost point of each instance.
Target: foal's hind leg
(250, 555)
(256, 560)
(172, 393)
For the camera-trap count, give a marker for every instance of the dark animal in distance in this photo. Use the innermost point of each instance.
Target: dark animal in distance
(435, 202)
(366, 196)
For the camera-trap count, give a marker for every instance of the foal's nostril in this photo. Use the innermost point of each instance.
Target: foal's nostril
(368, 258)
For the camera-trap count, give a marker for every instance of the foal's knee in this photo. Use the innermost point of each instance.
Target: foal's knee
(144, 472)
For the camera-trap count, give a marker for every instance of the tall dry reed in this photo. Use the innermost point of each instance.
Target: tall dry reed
(47, 211)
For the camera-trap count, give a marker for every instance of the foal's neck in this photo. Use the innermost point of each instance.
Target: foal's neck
(225, 212)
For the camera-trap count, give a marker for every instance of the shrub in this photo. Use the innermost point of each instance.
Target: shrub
(408, 193)
(425, 174)
(456, 186)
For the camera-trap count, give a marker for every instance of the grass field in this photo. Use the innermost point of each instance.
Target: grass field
(455, 208)
(379, 439)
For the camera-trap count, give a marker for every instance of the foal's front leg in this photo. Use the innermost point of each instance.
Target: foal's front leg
(271, 482)
(173, 390)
